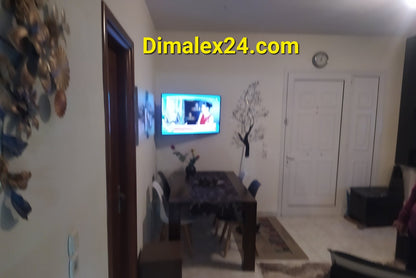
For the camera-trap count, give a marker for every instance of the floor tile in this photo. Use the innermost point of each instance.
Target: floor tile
(315, 235)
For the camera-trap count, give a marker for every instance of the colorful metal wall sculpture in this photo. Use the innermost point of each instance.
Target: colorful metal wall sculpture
(32, 61)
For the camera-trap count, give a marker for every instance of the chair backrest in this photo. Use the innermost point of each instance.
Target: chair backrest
(159, 191)
(165, 184)
(254, 187)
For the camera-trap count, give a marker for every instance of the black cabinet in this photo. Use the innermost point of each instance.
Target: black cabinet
(160, 260)
(378, 205)
(374, 206)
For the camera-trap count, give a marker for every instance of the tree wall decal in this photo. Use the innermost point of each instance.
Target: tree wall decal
(247, 113)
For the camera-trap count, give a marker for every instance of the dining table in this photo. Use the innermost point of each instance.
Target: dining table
(210, 192)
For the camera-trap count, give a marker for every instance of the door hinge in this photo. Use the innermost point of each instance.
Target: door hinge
(285, 121)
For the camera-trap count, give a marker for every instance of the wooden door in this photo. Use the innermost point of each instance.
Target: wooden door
(314, 110)
(118, 76)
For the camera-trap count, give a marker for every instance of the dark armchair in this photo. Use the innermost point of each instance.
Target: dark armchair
(378, 205)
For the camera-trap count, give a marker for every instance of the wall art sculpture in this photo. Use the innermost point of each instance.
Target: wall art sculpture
(33, 68)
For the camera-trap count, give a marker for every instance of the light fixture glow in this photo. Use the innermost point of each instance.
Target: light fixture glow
(411, 3)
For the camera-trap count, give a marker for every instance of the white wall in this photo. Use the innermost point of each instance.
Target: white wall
(67, 157)
(230, 75)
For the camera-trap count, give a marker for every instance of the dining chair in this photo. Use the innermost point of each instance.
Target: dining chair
(230, 218)
(254, 187)
(185, 223)
(165, 184)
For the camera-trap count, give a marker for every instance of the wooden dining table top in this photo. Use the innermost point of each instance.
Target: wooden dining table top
(216, 182)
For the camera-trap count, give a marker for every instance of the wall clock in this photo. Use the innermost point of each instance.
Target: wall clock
(320, 59)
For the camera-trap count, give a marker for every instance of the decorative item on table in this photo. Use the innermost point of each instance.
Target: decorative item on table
(208, 180)
(190, 169)
(32, 60)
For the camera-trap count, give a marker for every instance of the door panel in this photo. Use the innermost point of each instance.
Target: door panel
(118, 81)
(312, 142)
(362, 131)
(329, 140)
(359, 130)
(359, 171)
(115, 155)
(305, 123)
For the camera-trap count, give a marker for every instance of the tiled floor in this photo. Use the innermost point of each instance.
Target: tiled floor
(313, 234)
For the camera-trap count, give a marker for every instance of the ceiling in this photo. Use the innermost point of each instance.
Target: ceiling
(345, 17)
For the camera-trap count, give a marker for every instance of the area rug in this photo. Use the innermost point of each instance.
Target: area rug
(273, 241)
(306, 270)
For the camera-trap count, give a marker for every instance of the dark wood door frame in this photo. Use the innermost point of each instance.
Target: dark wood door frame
(120, 239)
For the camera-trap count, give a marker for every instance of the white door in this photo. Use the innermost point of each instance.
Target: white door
(359, 121)
(312, 139)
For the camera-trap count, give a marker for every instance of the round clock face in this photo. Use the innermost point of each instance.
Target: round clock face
(320, 59)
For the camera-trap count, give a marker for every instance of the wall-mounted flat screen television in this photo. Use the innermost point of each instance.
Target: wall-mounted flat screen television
(190, 114)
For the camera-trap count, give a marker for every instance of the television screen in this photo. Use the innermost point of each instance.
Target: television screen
(190, 114)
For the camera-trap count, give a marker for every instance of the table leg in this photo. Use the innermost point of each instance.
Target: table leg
(174, 222)
(249, 235)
